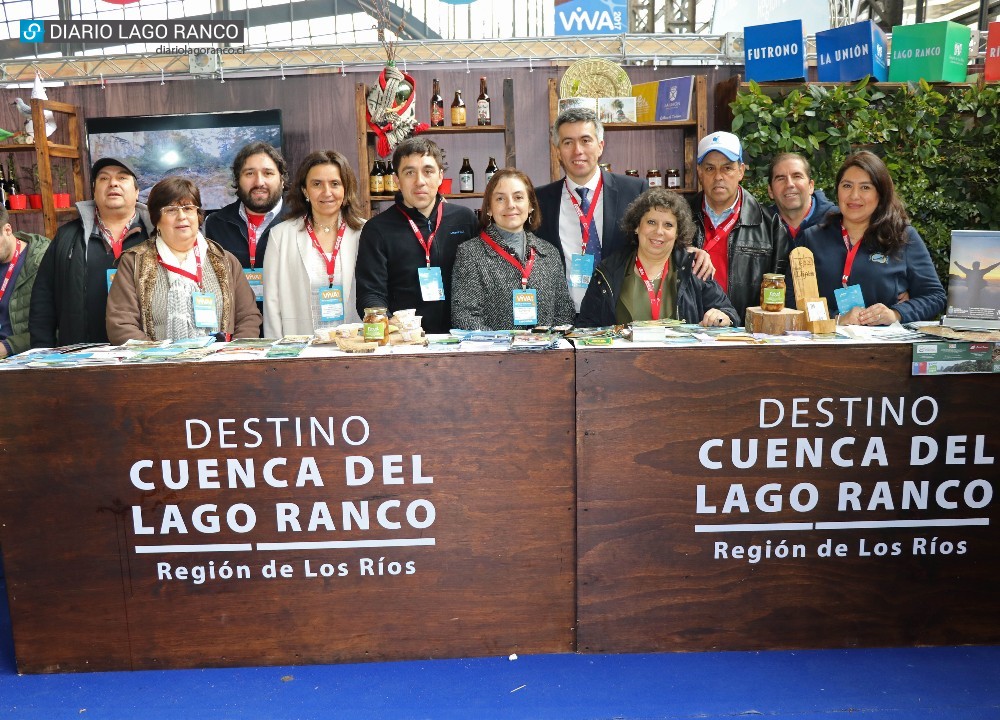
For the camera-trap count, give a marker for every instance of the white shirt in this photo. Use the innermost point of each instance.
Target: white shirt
(570, 234)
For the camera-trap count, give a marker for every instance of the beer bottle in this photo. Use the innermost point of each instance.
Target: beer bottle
(491, 167)
(458, 110)
(391, 186)
(376, 181)
(3, 188)
(437, 106)
(483, 104)
(466, 178)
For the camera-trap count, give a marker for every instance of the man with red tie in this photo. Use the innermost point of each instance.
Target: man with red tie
(743, 239)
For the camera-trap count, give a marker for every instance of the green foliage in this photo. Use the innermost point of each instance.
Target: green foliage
(942, 148)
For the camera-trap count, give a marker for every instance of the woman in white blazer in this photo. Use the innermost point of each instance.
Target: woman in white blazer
(309, 265)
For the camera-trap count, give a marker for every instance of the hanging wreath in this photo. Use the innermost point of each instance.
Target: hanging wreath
(390, 112)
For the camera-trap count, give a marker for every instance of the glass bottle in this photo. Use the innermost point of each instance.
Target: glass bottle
(389, 179)
(437, 105)
(654, 178)
(458, 110)
(466, 178)
(483, 115)
(376, 181)
(673, 178)
(3, 188)
(491, 167)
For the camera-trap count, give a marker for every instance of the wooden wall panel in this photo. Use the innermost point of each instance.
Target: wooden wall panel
(318, 112)
(499, 577)
(649, 580)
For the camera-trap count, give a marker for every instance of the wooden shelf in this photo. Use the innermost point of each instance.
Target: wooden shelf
(691, 130)
(449, 129)
(366, 144)
(68, 119)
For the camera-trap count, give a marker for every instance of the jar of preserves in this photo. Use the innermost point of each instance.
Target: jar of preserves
(654, 178)
(604, 166)
(673, 178)
(632, 173)
(772, 292)
(376, 325)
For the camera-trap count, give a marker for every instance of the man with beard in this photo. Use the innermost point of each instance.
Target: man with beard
(259, 177)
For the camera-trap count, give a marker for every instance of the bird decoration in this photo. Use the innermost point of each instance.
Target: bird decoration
(29, 127)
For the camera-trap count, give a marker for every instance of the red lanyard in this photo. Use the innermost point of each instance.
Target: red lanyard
(182, 272)
(10, 268)
(654, 297)
(252, 239)
(525, 269)
(715, 235)
(330, 258)
(426, 245)
(115, 245)
(585, 220)
(851, 254)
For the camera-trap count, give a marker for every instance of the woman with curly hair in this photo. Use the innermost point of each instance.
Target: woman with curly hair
(869, 242)
(651, 277)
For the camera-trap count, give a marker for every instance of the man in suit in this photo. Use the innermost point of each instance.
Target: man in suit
(582, 212)
(584, 226)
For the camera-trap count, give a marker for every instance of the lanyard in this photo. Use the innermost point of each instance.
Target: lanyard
(654, 297)
(715, 235)
(851, 254)
(115, 245)
(525, 269)
(10, 268)
(426, 245)
(585, 220)
(182, 272)
(330, 258)
(252, 239)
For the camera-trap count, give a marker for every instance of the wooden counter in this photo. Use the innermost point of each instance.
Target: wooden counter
(659, 570)
(473, 553)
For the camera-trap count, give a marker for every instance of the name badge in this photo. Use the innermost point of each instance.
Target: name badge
(431, 283)
(848, 297)
(256, 280)
(331, 304)
(581, 267)
(525, 306)
(111, 276)
(204, 311)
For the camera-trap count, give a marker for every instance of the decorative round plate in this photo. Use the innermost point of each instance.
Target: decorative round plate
(595, 78)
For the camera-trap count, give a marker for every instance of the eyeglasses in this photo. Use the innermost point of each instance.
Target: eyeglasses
(175, 210)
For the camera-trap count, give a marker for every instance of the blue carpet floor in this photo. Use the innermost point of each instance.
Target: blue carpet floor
(884, 684)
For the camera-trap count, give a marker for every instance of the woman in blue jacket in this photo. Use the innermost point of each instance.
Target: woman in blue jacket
(651, 278)
(869, 242)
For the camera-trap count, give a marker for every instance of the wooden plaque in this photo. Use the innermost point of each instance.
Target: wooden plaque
(681, 548)
(450, 532)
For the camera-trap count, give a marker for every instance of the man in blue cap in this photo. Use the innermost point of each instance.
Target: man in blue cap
(743, 239)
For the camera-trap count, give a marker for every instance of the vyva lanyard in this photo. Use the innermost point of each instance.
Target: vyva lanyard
(525, 269)
(654, 297)
(585, 220)
(184, 273)
(715, 235)
(425, 244)
(851, 254)
(10, 268)
(115, 245)
(329, 258)
(252, 240)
